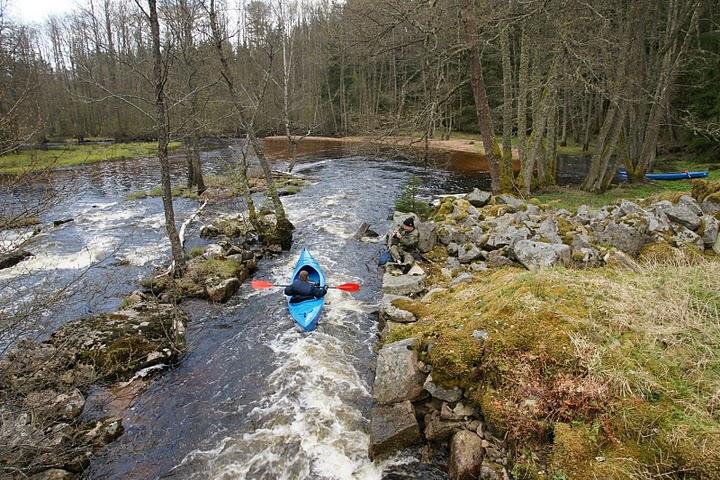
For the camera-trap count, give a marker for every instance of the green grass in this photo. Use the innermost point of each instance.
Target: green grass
(177, 191)
(571, 198)
(622, 364)
(72, 154)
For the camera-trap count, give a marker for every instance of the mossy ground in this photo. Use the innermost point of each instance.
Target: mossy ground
(73, 154)
(192, 282)
(601, 373)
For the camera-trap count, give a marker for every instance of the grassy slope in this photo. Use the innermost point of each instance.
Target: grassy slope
(609, 364)
(38, 160)
(571, 198)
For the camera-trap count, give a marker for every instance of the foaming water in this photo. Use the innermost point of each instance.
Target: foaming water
(255, 398)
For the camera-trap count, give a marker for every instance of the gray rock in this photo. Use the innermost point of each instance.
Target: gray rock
(709, 226)
(427, 240)
(213, 251)
(507, 236)
(393, 313)
(496, 259)
(586, 215)
(447, 394)
(710, 205)
(69, 405)
(623, 236)
(491, 471)
(683, 215)
(448, 234)
(392, 428)
(464, 277)
(468, 253)
(466, 456)
(479, 266)
(548, 231)
(221, 292)
(627, 207)
(398, 376)
(479, 198)
(403, 284)
(690, 203)
(453, 263)
(586, 257)
(535, 255)
(513, 202)
(716, 247)
(684, 237)
(453, 248)
(439, 430)
(477, 236)
(657, 222)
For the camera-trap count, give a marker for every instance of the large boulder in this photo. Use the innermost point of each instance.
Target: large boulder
(623, 236)
(468, 253)
(547, 232)
(222, 291)
(427, 240)
(683, 214)
(534, 255)
(478, 198)
(437, 391)
(690, 203)
(507, 236)
(466, 456)
(686, 237)
(403, 284)
(392, 428)
(398, 376)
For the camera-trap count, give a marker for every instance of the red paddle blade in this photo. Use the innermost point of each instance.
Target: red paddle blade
(260, 284)
(349, 287)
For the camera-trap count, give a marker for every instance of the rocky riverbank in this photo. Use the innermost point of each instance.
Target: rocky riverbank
(533, 342)
(44, 433)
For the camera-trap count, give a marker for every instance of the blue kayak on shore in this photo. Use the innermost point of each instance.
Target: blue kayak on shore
(667, 176)
(306, 314)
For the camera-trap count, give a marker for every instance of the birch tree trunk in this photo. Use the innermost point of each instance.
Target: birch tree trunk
(161, 126)
(284, 227)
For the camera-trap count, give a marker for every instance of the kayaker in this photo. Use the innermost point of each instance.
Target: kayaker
(303, 289)
(403, 244)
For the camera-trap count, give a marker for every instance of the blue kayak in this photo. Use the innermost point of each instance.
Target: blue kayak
(667, 176)
(306, 314)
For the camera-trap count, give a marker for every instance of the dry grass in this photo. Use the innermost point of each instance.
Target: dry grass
(626, 364)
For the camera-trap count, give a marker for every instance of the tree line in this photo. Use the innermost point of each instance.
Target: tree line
(620, 78)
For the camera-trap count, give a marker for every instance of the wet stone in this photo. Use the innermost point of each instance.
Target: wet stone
(392, 428)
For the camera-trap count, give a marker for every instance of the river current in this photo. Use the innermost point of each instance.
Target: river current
(252, 397)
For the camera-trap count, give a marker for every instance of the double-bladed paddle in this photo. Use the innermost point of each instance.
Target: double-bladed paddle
(345, 287)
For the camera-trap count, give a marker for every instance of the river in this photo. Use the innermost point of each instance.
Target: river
(253, 397)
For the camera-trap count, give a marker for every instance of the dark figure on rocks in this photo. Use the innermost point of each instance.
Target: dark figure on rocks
(403, 244)
(303, 289)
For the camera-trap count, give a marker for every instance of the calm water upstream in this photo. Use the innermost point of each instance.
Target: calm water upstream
(252, 398)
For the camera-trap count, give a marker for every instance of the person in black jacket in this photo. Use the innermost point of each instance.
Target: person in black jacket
(303, 289)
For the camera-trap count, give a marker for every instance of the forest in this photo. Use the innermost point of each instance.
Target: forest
(625, 81)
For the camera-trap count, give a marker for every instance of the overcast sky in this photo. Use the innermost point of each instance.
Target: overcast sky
(29, 11)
